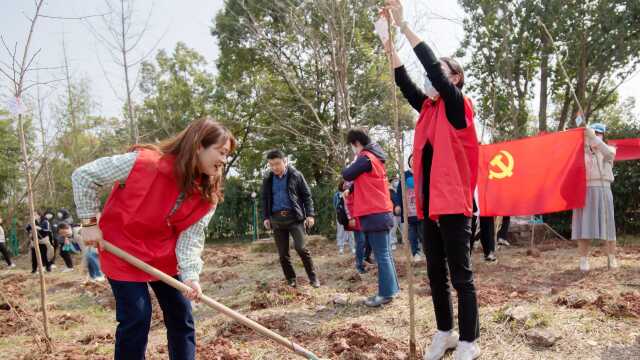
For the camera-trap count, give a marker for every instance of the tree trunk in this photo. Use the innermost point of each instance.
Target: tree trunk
(581, 88)
(125, 66)
(564, 112)
(71, 108)
(45, 160)
(544, 77)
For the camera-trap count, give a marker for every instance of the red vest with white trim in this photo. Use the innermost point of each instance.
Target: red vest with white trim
(138, 218)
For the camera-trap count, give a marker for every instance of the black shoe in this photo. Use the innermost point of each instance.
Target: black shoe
(361, 270)
(292, 282)
(315, 283)
(368, 260)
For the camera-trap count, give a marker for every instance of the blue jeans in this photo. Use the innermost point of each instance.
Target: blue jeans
(415, 236)
(344, 237)
(93, 263)
(361, 242)
(387, 278)
(133, 313)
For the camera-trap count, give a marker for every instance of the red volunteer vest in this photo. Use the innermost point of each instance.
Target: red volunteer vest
(371, 194)
(454, 167)
(137, 218)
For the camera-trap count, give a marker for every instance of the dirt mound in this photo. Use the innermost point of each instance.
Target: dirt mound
(625, 305)
(230, 260)
(13, 277)
(223, 256)
(100, 292)
(218, 277)
(235, 330)
(366, 289)
(269, 295)
(99, 338)
(12, 290)
(67, 321)
(65, 351)
(358, 342)
(54, 287)
(220, 349)
(14, 319)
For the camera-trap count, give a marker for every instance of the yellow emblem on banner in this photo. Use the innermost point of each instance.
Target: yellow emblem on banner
(504, 169)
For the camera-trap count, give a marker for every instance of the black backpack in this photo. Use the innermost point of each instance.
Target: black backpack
(341, 212)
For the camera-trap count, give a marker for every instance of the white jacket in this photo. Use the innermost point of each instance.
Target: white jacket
(598, 157)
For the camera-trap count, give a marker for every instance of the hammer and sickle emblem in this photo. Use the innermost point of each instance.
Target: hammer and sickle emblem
(505, 169)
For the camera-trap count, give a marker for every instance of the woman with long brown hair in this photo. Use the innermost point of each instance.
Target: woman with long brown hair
(162, 200)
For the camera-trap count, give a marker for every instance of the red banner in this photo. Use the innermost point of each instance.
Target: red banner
(626, 149)
(535, 175)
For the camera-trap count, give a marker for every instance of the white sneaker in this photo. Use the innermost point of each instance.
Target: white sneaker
(467, 351)
(67, 270)
(584, 264)
(417, 258)
(340, 252)
(612, 263)
(504, 242)
(12, 265)
(53, 266)
(99, 279)
(393, 247)
(441, 342)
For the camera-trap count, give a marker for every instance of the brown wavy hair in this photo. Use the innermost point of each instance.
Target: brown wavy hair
(184, 146)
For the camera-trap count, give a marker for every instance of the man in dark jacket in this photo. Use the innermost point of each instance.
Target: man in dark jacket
(287, 207)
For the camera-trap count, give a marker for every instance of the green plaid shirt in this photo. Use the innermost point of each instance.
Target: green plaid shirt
(105, 171)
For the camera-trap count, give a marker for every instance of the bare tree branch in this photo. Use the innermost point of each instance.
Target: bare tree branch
(73, 17)
(33, 57)
(41, 83)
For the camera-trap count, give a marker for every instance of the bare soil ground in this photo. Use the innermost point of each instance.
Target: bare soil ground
(593, 316)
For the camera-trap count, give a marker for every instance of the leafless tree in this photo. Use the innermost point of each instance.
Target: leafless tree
(122, 40)
(16, 76)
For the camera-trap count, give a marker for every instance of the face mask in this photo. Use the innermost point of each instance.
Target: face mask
(354, 149)
(48, 216)
(60, 215)
(429, 89)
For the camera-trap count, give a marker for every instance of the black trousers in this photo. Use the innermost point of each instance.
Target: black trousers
(487, 234)
(447, 248)
(54, 243)
(43, 256)
(282, 228)
(66, 256)
(367, 250)
(5, 253)
(504, 228)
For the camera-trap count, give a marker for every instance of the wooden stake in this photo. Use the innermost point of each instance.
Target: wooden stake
(34, 235)
(405, 224)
